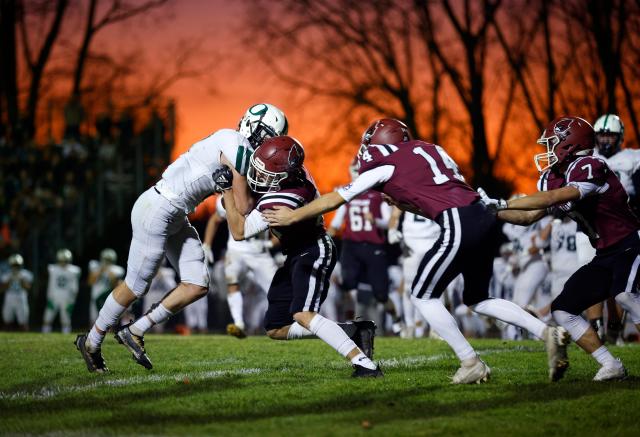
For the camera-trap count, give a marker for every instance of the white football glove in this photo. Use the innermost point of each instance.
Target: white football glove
(208, 253)
(495, 204)
(395, 236)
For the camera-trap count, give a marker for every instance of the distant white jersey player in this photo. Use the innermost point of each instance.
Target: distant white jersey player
(104, 275)
(251, 255)
(16, 284)
(564, 255)
(64, 280)
(161, 228)
(533, 269)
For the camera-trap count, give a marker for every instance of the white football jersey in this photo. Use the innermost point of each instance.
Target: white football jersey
(188, 180)
(63, 280)
(250, 245)
(416, 226)
(103, 282)
(624, 164)
(16, 279)
(522, 238)
(564, 257)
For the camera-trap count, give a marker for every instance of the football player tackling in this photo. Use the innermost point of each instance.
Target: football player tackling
(585, 188)
(300, 286)
(161, 228)
(421, 178)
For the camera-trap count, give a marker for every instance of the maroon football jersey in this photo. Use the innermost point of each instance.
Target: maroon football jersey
(604, 214)
(425, 177)
(358, 228)
(294, 194)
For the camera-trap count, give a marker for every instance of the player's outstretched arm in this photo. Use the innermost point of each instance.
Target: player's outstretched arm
(235, 220)
(283, 216)
(545, 199)
(240, 188)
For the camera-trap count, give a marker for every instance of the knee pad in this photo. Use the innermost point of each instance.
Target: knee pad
(575, 325)
(631, 303)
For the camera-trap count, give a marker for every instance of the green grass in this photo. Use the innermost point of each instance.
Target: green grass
(218, 385)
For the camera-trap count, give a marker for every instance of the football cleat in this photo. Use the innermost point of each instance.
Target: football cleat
(135, 345)
(475, 374)
(613, 371)
(94, 360)
(236, 331)
(556, 340)
(363, 372)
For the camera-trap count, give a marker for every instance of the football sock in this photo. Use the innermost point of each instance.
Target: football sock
(107, 317)
(329, 332)
(443, 323)
(158, 315)
(510, 313)
(296, 330)
(364, 361)
(602, 355)
(235, 307)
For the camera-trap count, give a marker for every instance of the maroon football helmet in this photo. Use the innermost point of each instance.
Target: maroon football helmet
(276, 160)
(384, 131)
(566, 138)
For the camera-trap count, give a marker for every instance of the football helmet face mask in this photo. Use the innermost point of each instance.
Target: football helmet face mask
(108, 256)
(64, 256)
(384, 131)
(262, 121)
(609, 134)
(16, 261)
(276, 160)
(565, 138)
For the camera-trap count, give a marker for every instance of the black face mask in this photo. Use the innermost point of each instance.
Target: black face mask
(609, 146)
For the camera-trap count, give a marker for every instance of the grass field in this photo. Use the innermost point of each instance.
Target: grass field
(217, 385)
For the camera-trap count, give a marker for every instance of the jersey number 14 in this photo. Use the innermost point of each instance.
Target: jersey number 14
(438, 176)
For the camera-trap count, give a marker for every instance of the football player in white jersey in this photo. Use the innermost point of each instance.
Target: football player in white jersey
(625, 163)
(251, 255)
(532, 268)
(64, 280)
(104, 275)
(160, 227)
(417, 235)
(16, 284)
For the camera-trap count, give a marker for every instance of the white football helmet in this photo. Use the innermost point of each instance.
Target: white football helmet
(609, 131)
(16, 260)
(108, 256)
(64, 256)
(262, 121)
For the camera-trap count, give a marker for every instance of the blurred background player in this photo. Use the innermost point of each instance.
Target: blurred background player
(15, 284)
(505, 272)
(363, 256)
(242, 257)
(625, 163)
(104, 276)
(162, 283)
(64, 280)
(416, 235)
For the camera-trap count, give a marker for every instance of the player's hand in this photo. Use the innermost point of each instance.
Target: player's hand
(208, 253)
(223, 179)
(493, 204)
(395, 236)
(278, 216)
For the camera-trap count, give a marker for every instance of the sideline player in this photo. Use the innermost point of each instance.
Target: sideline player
(62, 291)
(363, 256)
(585, 187)
(16, 284)
(160, 226)
(300, 286)
(421, 177)
(242, 257)
(104, 275)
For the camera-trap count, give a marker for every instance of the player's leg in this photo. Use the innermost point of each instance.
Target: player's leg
(234, 269)
(596, 319)
(588, 285)
(50, 312)
(351, 266)
(66, 309)
(22, 311)
(615, 322)
(373, 259)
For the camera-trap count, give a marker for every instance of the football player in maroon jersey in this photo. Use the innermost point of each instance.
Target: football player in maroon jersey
(300, 286)
(421, 178)
(583, 186)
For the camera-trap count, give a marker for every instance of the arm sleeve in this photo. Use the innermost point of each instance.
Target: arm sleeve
(254, 224)
(385, 212)
(366, 181)
(589, 176)
(338, 219)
